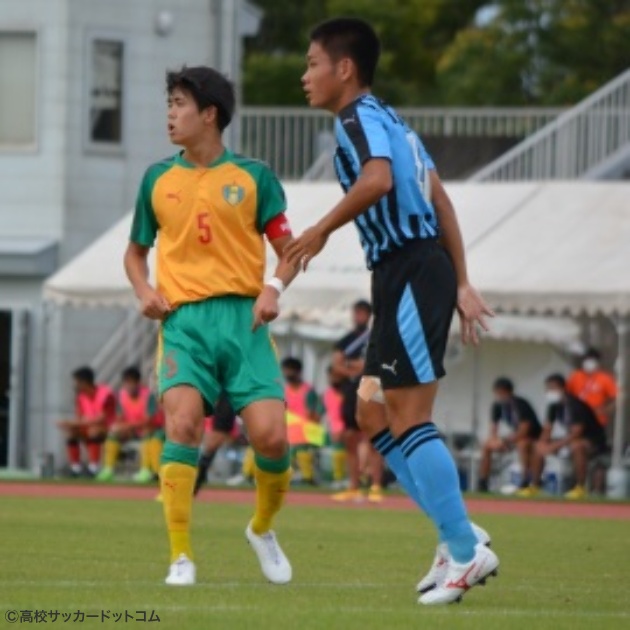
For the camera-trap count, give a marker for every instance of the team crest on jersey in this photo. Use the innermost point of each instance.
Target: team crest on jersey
(233, 194)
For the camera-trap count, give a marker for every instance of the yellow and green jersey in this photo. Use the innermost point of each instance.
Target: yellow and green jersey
(209, 223)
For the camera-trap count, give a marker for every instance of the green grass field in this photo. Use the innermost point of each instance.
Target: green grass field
(352, 569)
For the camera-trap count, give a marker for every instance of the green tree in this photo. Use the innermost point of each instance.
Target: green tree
(414, 34)
(546, 52)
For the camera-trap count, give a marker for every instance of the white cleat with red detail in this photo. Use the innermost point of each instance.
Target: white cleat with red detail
(462, 577)
(438, 569)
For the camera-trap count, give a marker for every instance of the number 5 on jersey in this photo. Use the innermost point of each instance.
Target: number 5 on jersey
(203, 223)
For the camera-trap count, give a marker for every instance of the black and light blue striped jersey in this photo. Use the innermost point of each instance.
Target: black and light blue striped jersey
(368, 128)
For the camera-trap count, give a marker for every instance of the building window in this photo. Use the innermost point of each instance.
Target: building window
(18, 78)
(106, 92)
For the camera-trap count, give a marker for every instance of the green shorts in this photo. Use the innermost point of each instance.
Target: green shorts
(210, 346)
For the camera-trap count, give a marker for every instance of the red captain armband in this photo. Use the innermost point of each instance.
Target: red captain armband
(277, 227)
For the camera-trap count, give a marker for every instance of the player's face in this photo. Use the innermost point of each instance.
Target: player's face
(291, 376)
(321, 81)
(554, 393)
(81, 387)
(501, 395)
(131, 386)
(334, 380)
(185, 122)
(360, 317)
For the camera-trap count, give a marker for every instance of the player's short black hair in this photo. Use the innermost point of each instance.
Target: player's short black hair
(84, 374)
(292, 363)
(504, 384)
(592, 353)
(353, 38)
(132, 373)
(362, 305)
(556, 379)
(208, 88)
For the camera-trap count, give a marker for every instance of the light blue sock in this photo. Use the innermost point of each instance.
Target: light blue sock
(385, 444)
(432, 468)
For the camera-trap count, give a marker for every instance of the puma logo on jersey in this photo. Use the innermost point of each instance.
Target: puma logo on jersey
(390, 367)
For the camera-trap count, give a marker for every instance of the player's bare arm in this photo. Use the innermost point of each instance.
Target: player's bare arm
(471, 307)
(348, 368)
(152, 304)
(375, 182)
(266, 307)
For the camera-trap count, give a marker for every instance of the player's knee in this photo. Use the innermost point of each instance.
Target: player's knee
(271, 443)
(93, 433)
(183, 428)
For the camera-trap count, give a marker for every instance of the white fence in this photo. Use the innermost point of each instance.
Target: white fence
(576, 144)
(290, 139)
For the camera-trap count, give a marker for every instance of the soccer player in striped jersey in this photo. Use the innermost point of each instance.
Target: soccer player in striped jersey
(412, 242)
(210, 211)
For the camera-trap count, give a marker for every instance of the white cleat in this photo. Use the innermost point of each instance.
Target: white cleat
(182, 572)
(437, 572)
(462, 577)
(274, 564)
(438, 569)
(482, 535)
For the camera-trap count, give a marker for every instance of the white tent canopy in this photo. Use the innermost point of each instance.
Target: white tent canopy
(548, 248)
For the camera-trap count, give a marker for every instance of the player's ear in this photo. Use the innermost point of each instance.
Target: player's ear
(345, 68)
(210, 115)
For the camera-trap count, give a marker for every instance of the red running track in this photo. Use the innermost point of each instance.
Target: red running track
(561, 509)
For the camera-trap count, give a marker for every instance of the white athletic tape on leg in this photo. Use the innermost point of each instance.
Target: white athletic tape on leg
(370, 390)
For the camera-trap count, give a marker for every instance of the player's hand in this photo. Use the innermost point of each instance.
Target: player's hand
(472, 310)
(305, 247)
(153, 304)
(266, 307)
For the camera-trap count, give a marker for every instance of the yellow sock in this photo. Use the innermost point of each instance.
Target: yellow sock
(112, 450)
(271, 488)
(339, 464)
(155, 452)
(249, 467)
(145, 454)
(177, 482)
(305, 460)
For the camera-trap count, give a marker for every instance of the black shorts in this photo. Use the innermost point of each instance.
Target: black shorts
(349, 405)
(414, 294)
(224, 417)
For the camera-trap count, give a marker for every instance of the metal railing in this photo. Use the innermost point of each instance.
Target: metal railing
(582, 138)
(291, 139)
(132, 343)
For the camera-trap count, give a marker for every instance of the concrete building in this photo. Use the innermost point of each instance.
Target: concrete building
(82, 114)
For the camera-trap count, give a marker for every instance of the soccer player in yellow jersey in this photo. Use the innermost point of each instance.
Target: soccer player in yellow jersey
(210, 210)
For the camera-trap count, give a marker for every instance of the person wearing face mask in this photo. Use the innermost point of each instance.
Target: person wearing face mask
(594, 386)
(571, 425)
(514, 425)
(303, 401)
